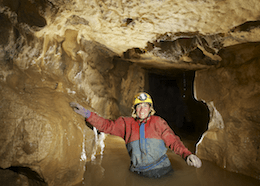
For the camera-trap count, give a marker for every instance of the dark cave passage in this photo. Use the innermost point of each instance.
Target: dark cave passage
(174, 101)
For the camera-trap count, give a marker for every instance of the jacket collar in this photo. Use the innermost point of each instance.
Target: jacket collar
(146, 120)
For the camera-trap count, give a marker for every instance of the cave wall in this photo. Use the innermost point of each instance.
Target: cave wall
(39, 131)
(39, 76)
(39, 128)
(232, 95)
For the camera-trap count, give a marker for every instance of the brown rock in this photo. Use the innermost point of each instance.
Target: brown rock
(233, 138)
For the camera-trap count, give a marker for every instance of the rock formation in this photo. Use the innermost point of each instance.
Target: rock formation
(98, 54)
(232, 94)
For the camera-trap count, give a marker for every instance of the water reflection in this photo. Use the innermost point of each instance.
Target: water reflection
(112, 170)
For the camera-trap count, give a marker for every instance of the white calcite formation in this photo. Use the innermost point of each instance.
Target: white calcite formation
(97, 53)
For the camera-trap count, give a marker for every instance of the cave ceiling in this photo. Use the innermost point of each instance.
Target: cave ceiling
(155, 34)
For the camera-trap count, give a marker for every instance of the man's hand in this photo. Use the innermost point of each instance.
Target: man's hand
(80, 109)
(193, 160)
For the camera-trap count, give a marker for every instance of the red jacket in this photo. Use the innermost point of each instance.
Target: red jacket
(128, 129)
(145, 142)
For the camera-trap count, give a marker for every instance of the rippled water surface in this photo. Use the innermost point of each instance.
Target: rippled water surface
(111, 169)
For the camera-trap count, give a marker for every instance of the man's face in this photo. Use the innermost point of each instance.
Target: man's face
(142, 110)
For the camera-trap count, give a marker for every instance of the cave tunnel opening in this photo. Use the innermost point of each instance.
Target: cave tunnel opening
(173, 97)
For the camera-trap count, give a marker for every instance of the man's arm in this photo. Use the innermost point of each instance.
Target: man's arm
(174, 143)
(116, 127)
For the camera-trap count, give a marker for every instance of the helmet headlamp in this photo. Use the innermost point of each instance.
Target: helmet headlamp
(142, 97)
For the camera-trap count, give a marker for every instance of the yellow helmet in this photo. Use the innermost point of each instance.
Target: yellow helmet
(142, 97)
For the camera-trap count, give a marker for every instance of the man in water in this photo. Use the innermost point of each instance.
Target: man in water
(146, 137)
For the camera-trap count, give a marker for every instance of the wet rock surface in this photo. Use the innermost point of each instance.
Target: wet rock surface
(36, 133)
(98, 53)
(39, 128)
(232, 94)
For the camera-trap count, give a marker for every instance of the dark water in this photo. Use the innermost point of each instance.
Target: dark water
(111, 169)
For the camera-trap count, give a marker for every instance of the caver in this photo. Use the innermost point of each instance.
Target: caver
(147, 137)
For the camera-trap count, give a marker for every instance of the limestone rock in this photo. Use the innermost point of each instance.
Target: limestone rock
(42, 132)
(232, 93)
(39, 130)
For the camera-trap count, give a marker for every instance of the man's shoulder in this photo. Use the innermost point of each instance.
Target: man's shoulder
(126, 118)
(157, 118)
